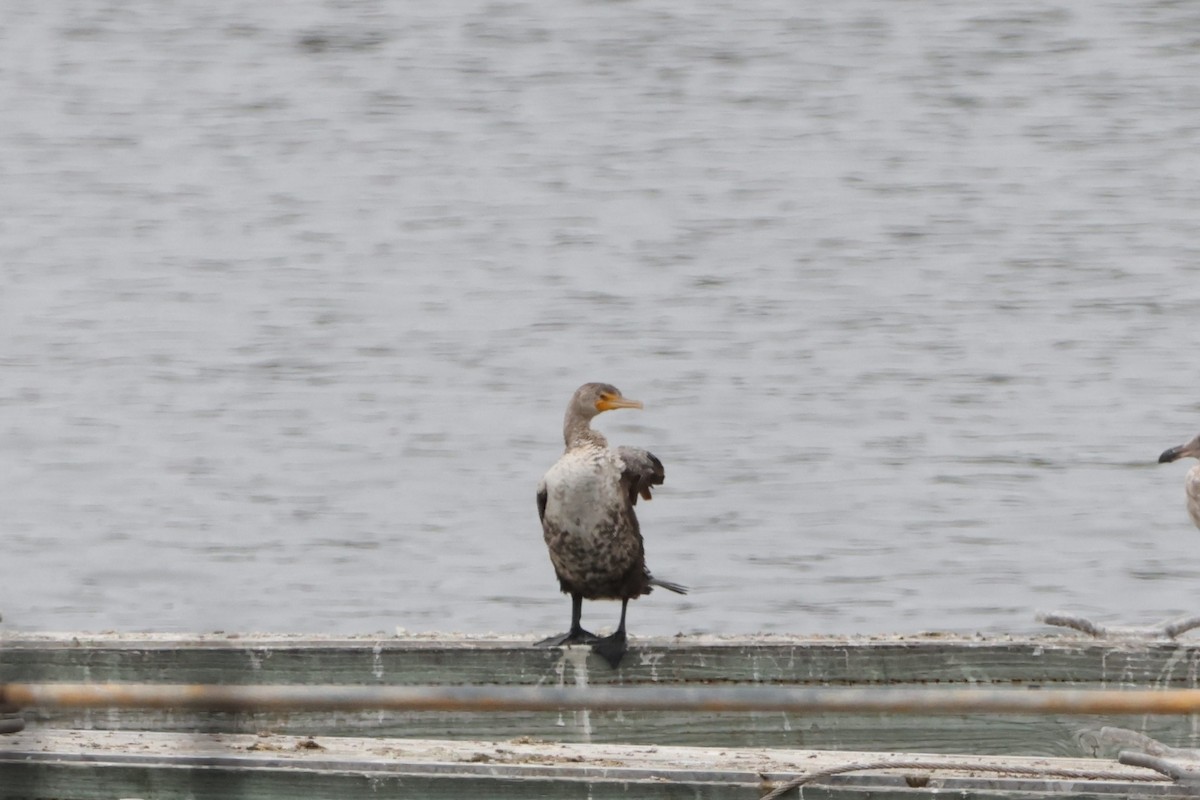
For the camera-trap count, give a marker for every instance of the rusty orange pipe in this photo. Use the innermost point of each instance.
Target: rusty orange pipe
(821, 700)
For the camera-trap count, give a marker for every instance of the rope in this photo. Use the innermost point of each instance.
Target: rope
(1169, 630)
(926, 763)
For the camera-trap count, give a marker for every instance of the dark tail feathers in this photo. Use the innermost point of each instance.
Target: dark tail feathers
(670, 587)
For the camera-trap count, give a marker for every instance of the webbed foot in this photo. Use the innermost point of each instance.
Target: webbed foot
(575, 636)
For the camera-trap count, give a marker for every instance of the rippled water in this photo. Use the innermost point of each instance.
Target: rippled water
(293, 296)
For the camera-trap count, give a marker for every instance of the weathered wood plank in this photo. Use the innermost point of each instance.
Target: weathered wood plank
(939, 660)
(215, 658)
(1017, 735)
(1061, 736)
(84, 765)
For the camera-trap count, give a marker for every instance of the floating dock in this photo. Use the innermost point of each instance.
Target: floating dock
(83, 752)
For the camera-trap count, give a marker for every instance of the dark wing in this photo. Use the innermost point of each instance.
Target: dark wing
(542, 503)
(642, 470)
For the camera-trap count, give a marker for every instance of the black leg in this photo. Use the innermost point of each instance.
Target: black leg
(613, 647)
(577, 635)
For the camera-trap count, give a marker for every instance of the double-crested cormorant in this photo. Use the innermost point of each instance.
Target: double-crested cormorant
(1192, 481)
(585, 502)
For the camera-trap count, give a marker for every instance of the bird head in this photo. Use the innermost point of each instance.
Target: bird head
(1191, 448)
(592, 398)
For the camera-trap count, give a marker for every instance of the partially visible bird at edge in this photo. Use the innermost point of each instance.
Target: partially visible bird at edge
(1192, 481)
(585, 503)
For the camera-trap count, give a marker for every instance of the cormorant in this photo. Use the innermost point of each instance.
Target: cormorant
(585, 503)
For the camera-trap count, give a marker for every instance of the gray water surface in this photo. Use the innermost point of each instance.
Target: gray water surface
(292, 297)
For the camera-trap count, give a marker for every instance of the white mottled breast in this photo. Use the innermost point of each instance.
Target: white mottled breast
(1193, 494)
(583, 492)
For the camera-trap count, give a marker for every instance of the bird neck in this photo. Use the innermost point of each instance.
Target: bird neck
(577, 430)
